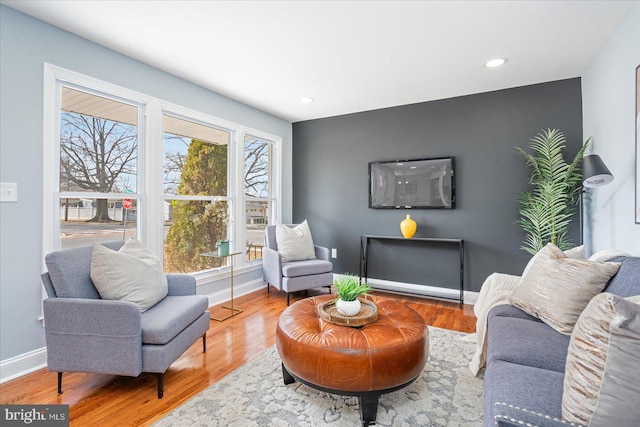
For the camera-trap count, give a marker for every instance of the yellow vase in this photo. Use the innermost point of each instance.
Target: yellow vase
(408, 227)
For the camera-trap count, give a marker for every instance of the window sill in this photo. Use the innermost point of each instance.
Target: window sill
(213, 275)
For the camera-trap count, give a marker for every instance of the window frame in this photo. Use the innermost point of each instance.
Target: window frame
(274, 177)
(139, 193)
(149, 191)
(205, 120)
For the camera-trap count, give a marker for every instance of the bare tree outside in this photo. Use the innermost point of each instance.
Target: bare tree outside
(97, 155)
(257, 191)
(173, 162)
(256, 168)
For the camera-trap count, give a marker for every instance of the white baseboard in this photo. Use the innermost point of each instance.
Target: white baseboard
(422, 290)
(23, 364)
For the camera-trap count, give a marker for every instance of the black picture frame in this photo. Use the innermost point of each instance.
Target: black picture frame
(637, 119)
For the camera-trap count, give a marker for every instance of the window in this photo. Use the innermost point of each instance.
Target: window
(259, 200)
(98, 159)
(120, 163)
(195, 185)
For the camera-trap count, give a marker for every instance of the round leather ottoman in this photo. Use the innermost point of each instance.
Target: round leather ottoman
(377, 358)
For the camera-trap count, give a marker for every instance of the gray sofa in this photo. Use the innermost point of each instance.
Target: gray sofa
(524, 376)
(85, 333)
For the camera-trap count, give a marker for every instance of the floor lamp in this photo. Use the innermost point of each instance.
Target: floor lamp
(594, 174)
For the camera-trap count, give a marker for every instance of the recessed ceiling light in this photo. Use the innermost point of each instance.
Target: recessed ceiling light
(307, 100)
(493, 63)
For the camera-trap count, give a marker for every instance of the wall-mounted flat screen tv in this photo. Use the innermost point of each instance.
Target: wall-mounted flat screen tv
(413, 184)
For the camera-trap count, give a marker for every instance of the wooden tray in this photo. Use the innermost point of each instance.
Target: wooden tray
(368, 314)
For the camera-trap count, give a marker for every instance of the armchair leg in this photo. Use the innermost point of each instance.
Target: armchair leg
(268, 288)
(59, 382)
(288, 299)
(160, 385)
(204, 343)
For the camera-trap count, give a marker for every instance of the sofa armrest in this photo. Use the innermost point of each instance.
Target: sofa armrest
(272, 267)
(91, 317)
(93, 335)
(511, 416)
(181, 284)
(322, 252)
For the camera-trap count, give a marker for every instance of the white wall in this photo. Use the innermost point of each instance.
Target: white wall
(608, 91)
(25, 45)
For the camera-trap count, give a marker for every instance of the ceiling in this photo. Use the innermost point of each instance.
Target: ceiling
(349, 56)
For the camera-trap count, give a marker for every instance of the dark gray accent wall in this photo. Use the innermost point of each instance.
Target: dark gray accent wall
(330, 178)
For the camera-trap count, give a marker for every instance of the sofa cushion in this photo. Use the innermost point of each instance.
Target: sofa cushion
(556, 289)
(69, 271)
(162, 322)
(306, 268)
(602, 381)
(626, 282)
(526, 387)
(295, 244)
(507, 310)
(526, 342)
(131, 274)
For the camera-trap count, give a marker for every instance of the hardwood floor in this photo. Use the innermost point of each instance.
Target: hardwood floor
(107, 400)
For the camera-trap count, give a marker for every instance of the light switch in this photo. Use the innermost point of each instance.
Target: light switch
(8, 191)
(334, 253)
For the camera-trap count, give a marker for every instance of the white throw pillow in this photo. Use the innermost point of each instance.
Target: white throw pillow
(602, 378)
(607, 254)
(131, 274)
(556, 289)
(576, 253)
(295, 244)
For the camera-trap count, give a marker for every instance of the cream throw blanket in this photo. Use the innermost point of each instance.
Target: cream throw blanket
(495, 291)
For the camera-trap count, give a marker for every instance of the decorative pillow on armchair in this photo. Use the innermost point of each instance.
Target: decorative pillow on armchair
(295, 244)
(131, 274)
(556, 289)
(602, 375)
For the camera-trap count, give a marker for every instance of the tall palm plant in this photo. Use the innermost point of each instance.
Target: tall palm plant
(547, 209)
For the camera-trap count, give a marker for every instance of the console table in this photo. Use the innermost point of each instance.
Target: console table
(364, 253)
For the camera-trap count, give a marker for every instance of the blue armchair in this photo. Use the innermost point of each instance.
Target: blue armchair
(85, 333)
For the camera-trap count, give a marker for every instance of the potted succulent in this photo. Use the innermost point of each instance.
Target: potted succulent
(349, 288)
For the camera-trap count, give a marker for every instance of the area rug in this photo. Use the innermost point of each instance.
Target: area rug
(254, 395)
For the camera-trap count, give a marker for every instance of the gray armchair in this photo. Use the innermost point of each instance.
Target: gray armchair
(85, 333)
(295, 275)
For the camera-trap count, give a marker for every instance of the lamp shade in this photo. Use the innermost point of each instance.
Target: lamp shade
(594, 172)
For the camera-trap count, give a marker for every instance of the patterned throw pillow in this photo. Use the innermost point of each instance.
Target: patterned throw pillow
(602, 374)
(556, 289)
